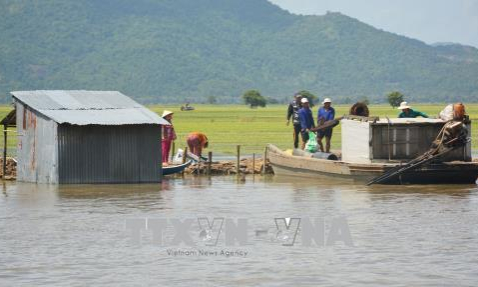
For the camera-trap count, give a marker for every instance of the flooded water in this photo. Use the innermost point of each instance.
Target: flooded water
(380, 235)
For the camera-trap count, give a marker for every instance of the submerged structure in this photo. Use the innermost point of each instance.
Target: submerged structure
(86, 137)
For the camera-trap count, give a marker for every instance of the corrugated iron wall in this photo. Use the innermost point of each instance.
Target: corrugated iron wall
(408, 141)
(109, 154)
(405, 141)
(36, 147)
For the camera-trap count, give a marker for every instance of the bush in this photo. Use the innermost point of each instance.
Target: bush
(254, 99)
(395, 98)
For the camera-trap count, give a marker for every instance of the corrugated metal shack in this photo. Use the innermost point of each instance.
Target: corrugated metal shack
(86, 137)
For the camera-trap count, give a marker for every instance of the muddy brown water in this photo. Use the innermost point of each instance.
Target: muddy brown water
(79, 235)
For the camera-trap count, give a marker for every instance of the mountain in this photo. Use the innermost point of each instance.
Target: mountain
(457, 52)
(161, 51)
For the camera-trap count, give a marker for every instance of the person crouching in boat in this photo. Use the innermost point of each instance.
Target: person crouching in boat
(325, 113)
(407, 111)
(197, 142)
(306, 120)
(168, 136)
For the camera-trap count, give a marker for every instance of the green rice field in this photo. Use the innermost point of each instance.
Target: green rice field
(230, 125)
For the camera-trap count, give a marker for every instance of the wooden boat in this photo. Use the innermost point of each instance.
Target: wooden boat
(286, 164)
(391, 151)
(168, 170)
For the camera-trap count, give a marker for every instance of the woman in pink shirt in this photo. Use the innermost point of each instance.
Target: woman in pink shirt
(168, 135)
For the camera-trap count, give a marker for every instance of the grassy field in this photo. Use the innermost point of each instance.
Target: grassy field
(230, 125)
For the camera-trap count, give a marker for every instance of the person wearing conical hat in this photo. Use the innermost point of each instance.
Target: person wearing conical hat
(407, 111)
(168, 135)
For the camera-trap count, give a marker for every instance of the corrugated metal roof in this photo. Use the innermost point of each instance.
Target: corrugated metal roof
(88, 107)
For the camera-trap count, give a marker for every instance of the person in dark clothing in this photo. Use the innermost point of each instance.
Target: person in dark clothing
(306, 121)
(325, 114)
(293, 113)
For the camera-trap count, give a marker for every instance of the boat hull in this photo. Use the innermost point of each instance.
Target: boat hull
(168, 170)
(445, 173)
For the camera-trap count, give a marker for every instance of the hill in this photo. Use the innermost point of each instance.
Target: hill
(160, 51)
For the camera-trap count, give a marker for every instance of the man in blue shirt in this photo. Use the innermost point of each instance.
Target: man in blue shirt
(325, 113)
(306, 121)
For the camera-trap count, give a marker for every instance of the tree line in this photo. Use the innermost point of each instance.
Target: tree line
(254, 99)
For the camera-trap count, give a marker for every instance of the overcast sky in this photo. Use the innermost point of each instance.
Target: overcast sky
(428, 20)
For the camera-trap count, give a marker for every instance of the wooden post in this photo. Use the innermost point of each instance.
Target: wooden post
(184, 157)
(4, 151)
(172, 151)
(209, 162)
(238, 163)
(185, 154)
(253, 163)
(199, 167)
(264, 162)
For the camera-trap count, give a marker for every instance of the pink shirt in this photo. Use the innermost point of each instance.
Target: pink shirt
(168, 133)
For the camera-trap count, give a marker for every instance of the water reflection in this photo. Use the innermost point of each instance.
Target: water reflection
(196, 182)
(110, 191)
(71, 234)
(335, 184)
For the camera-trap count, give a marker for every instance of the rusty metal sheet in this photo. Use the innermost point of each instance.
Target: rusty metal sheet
(36, 147)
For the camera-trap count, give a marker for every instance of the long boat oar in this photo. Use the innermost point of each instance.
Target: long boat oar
(327, 124)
